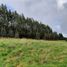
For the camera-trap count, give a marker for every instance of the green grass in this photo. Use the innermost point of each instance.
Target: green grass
(32, 53)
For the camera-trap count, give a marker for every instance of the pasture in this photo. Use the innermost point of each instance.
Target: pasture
(32, 53)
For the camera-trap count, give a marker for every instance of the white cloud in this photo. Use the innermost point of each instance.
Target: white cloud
(60, 3)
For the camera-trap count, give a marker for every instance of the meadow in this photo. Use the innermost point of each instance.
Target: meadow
(32, 53)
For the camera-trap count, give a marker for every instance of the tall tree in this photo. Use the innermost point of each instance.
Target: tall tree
(14, 25)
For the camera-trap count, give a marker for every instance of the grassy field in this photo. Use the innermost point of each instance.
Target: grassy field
(32, 53)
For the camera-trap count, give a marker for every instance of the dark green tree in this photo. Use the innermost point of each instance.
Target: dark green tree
(14, 25)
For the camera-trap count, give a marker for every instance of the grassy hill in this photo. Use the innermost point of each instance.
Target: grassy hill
(32, 53)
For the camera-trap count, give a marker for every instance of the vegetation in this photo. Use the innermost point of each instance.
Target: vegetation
(14, 25)
(32, 53)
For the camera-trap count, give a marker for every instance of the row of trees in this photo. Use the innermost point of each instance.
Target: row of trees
(14, 25)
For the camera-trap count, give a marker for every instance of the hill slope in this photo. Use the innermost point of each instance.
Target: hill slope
(32, 53)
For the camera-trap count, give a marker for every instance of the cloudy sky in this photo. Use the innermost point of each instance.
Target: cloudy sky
(51, 12)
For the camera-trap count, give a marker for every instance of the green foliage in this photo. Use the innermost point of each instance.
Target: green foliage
(14, 25)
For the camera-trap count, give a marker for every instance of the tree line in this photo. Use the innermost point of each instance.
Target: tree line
(14, 25)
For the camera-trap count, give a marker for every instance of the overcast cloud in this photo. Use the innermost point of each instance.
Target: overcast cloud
(51, 12)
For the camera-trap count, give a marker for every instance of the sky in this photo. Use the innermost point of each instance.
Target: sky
(50, 12)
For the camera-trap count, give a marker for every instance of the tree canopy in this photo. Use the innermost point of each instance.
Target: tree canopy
(14, 25)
